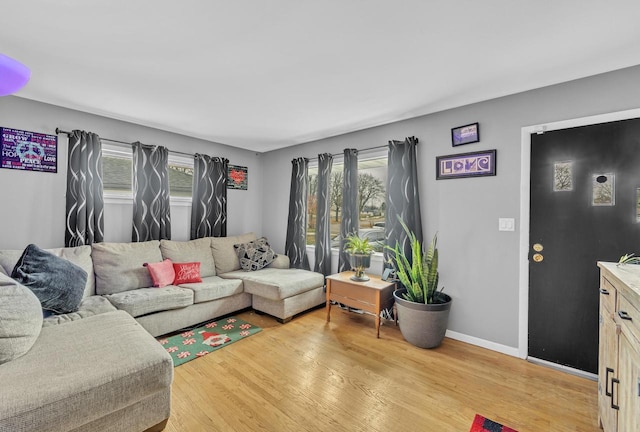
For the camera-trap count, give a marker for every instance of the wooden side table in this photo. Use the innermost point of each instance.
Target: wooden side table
(371, 296)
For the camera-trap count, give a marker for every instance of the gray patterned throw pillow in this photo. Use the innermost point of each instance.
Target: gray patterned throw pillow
(255, 255)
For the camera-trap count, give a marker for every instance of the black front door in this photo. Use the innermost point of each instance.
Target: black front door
(584, 209)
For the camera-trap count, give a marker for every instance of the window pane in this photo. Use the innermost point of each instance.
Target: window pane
(180, 180)
(372, 187)
(372, 183)
(312, 205)
(117, 172)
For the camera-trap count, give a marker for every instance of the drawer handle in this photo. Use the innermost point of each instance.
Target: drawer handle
(604, 291)
(616, 381)
(624, 315)
(606, 382)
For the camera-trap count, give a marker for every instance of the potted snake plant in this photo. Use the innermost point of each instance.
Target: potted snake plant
(359, 250)
(422, 307)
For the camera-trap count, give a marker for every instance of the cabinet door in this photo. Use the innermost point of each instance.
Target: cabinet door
(607, 370)
(628, 395)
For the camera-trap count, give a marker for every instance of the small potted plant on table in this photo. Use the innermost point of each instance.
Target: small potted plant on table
(359, 250)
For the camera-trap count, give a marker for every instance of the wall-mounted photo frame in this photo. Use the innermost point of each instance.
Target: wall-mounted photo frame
(237, 177)
(603, 189)
(466, 134)
(474, 164)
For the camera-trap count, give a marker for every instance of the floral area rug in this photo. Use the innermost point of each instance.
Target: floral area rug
(200, 341)
(481, 424)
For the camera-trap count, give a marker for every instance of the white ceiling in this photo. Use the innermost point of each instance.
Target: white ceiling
(266, 74)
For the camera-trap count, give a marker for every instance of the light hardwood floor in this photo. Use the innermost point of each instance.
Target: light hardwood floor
(307, 375)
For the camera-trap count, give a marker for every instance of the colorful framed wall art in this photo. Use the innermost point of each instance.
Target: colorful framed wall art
(237, 177)
(28, 151)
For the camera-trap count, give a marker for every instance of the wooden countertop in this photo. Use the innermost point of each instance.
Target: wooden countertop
(627, 277)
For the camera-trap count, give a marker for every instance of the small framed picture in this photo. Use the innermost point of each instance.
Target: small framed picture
(476, 164)
(466, 134)
(237, 177)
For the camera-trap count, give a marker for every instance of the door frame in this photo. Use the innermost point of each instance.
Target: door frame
(525, 195)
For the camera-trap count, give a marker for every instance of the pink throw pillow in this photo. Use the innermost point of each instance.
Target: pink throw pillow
(162, 273)
(187, 273)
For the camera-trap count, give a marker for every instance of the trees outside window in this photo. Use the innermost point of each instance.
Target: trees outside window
(372, 183)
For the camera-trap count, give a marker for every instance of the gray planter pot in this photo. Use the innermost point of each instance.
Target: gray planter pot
(422, 325)
(360, 262)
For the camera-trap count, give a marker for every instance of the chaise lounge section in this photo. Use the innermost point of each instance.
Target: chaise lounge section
(103, 372)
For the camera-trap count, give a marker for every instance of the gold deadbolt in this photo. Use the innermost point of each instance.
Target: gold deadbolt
(538, 247)
(538, 257)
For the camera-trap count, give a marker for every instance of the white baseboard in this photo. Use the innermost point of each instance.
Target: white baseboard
(504, 349)
(572, 371)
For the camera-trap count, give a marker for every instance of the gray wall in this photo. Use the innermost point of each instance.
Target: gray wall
(32, 204)
(479, 264)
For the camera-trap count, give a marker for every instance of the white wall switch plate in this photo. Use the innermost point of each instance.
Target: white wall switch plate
(506, 224)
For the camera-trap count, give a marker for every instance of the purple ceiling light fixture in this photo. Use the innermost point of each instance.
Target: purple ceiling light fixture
(13, 75)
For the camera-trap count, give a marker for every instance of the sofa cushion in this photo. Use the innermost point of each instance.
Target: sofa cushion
(162, 273)
(277, 284)
(187, 273)
(119, 266)
(213, 287)
(281, 262)
(224, 255)
(90, 306)
(59, 284)
(79, 255)
(82, 371)
(255, 255)
(189, 251)
(20, 319)
(143, 301)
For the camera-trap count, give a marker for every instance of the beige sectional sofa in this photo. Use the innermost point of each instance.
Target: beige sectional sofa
(97, 369)
(225, 288)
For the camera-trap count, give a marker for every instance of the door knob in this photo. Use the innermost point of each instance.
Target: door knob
(538, 257)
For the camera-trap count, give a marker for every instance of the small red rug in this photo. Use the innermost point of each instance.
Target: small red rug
(481, 424)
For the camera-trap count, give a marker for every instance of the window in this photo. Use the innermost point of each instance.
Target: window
(372, 186)
(117, 173)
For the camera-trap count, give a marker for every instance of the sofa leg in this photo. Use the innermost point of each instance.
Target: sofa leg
(284, 321)
(159, 427)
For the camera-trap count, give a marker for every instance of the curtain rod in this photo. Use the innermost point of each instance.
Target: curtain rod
(59, 131)
(360, 150)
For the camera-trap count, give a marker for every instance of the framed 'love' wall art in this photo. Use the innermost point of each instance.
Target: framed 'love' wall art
(476, 164)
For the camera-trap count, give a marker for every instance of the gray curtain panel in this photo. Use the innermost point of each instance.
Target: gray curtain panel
(85, 202)
(349, 223)
(296, 243)
(209, 201)
(323, 217)
(403, 200)
(151, 213)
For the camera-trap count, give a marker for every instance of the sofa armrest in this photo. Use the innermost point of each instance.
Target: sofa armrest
(281, 262)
